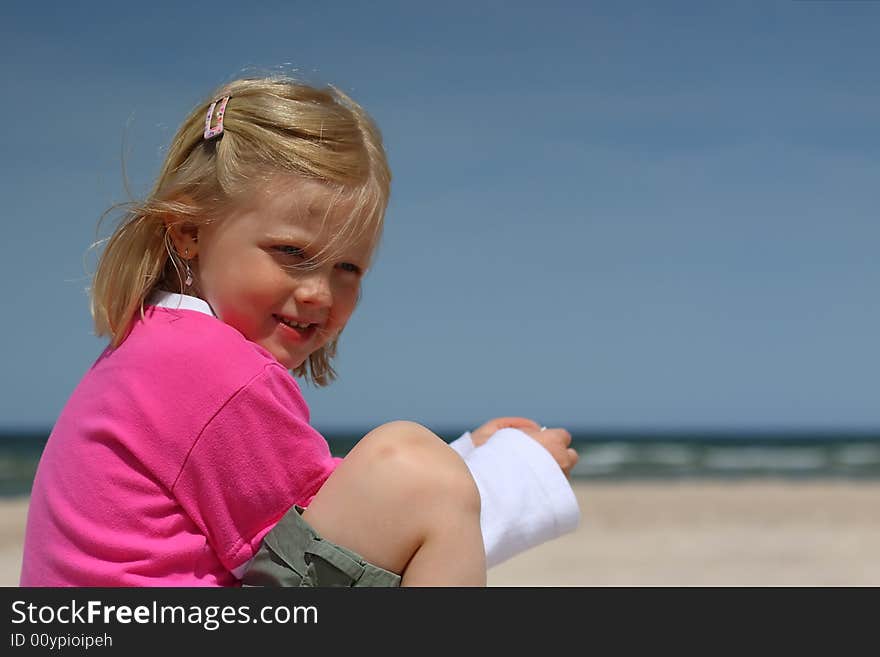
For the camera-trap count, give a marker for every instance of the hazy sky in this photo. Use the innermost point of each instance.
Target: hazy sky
(604, 215)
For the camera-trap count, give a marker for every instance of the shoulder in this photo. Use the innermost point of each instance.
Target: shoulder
(197, 350)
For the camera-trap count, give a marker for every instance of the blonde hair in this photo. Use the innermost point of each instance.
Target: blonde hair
(271, 125)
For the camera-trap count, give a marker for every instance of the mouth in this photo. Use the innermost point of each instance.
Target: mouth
(304, 330)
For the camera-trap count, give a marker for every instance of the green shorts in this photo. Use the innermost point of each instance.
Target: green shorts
(293, 554)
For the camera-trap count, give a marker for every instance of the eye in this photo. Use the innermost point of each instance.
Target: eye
(288, 250)
(349, 267)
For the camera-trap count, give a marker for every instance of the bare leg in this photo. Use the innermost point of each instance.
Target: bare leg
(406, 502)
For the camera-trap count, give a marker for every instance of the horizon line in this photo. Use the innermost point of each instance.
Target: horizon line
(589, 432)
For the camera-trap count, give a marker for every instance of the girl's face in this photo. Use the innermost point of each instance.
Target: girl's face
(249, 268)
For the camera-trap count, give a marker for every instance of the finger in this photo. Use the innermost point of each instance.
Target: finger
(515, 423)
(572, 461)
(481, 435)
(563, 434)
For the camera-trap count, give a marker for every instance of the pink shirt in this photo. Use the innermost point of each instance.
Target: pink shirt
(177, 452)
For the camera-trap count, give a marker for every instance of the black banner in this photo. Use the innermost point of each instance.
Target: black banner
(101, 621)
(225, 619)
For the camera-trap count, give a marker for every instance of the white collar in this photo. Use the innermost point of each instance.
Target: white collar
(164, 299)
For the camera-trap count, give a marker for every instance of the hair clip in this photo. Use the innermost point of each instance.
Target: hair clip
(217, 130)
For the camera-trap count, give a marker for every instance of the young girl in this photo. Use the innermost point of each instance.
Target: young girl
(185, 456)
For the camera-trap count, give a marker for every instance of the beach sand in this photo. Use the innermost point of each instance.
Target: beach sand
(688, 533)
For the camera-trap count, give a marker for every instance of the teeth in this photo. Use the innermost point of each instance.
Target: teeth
(293, 324)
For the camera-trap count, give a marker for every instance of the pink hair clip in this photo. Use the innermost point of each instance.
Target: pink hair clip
(217, 130)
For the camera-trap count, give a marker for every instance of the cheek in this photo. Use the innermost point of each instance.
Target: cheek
(345, 302)
(241, 299)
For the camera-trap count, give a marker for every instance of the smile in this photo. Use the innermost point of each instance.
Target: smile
(291, 323)
(301, 329)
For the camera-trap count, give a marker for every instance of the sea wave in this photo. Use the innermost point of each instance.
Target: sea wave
(614, 459)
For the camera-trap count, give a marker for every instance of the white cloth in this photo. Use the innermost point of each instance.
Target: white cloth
(526, 499)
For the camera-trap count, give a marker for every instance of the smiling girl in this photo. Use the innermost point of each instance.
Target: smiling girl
(185, 456)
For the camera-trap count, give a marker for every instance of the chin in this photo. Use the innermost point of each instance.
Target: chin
(292, 364)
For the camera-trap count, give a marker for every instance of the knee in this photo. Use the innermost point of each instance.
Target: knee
(421, 464)
(394, 438)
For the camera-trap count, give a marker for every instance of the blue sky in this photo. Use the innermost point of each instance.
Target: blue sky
(649, 216)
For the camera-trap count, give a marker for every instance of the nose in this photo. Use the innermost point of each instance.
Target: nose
(314, 289)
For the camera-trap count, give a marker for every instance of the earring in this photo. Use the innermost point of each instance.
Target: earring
(189, 274)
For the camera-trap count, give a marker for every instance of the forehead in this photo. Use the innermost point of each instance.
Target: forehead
(307, 209)
(301, 202)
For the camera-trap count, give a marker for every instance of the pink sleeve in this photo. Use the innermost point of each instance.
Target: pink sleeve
(256, 457)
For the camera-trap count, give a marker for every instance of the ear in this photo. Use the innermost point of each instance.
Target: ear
(186, 239)
(184, 234)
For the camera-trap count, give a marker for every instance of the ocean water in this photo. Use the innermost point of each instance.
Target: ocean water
(669, 459)
(617, 457)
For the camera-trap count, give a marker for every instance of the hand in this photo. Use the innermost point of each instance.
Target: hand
(558, 443)
(481, 435)
(555, 441)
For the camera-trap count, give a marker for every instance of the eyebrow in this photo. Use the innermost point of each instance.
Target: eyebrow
(300, 238)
